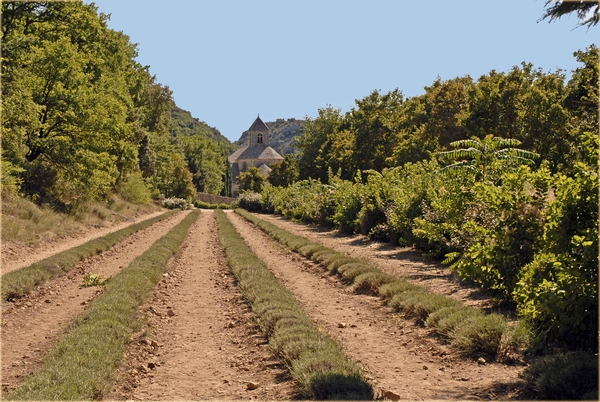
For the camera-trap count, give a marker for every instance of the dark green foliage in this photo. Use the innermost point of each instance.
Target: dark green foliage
(558, 290)
(571, 376)
(250, 201)
(285, 172)
(251, 181)
(207, 205)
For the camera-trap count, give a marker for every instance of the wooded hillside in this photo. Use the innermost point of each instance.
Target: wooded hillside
(83, 119)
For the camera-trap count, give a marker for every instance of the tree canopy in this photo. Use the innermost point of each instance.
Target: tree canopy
(81, 115)
(588, 11)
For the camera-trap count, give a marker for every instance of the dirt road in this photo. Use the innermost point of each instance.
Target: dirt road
(397, 354)
(199, 341)
(206, 348)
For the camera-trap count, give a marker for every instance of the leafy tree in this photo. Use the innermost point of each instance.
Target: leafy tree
(179, 179)
(374, 124)
(251, 181)
(411, 143)
(205, 161)
(285, 172)
(446, 105)
(315, 142)
(481, 154)
(66, 99)
(582, 91)
(587, 10)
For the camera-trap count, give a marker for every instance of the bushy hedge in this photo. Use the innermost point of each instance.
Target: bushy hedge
(527, 234)
(174, 203)
(250, 201)
(208, 205)
(470, 332)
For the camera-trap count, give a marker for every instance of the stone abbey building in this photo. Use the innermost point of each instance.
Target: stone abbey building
(257, 154)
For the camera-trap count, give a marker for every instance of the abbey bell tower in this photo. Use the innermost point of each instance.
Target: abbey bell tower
(258, 133)
(257, 154)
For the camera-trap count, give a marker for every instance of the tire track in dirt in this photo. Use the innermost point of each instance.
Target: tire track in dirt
(15, 257)
(399, 261)
(32, 324)
(199, 341)
(396, 354)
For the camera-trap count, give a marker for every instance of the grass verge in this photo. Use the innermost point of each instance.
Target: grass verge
(316, 361)
(81, 365)
(469, 331)
(21, 281)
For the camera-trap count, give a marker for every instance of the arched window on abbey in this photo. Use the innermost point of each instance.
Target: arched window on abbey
(259, 138)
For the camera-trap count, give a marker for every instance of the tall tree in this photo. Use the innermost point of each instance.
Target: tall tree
(588, 11)
(65, 99)
(285, 172)
(374, 124)
(205, 161)
(315, 142)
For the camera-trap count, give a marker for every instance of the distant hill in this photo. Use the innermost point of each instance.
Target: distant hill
(282, 135)
(184, 124)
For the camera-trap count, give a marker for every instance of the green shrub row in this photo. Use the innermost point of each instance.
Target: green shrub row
(21, 281)
(468, 329)
(528, 235)
(81, 365)
(208, 205)
(316, 361)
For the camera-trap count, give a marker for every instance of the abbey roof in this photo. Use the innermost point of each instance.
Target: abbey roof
(255, 152)
(258, 125)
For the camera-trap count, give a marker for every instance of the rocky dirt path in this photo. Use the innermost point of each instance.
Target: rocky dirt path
(199, 343)
(15, 256)
(398, 261)
(31, 325)
(398, 355)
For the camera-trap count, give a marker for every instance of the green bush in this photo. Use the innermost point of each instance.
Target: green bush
(250, 202)
(558, 290)
(570, 376)
(370, 282)
(134, 189)
(174, 203)
(389, 290)
(480, 334)
(502, 229)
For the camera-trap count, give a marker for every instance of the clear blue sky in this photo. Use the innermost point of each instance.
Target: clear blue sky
(228, 60)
